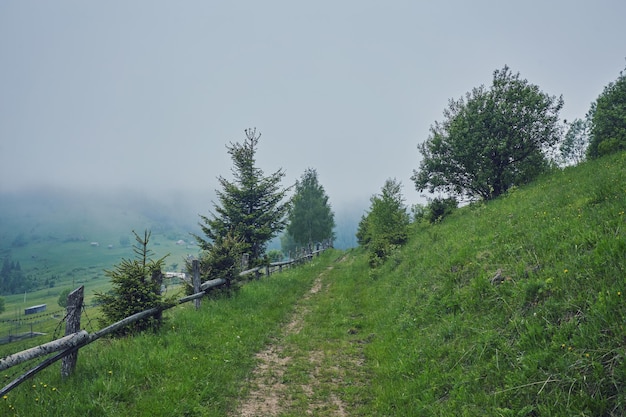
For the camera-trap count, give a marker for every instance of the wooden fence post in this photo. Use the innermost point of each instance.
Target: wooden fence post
(157, 280)
(196, 281)
(72, 325)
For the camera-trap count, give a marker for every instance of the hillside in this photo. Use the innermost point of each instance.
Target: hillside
(431, 332)
(58, 239)
(548, 339)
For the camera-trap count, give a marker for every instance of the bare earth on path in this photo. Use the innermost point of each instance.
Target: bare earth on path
(318, 383)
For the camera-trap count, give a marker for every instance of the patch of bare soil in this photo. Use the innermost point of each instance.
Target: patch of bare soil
(270, 395)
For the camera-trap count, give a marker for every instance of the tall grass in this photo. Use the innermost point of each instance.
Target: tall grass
(428, 333)
(548, 340)
(194, 366)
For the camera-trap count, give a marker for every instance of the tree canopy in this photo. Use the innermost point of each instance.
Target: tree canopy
(608, 120)
(490, 140)
(311, 218)
(251, 208)
(575, 142)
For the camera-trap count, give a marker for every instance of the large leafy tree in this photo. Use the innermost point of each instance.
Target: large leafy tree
(311, 218)
(490, 140)
(608, 120)
(251, 208)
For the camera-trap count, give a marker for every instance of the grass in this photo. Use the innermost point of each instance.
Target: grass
(427, 333)
(548, 341)
(193, 366)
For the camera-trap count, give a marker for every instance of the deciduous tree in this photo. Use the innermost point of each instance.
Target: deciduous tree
(575, 142)
(490, 140)
(385, 226)
(608, 120)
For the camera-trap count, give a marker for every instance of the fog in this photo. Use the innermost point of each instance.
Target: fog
(143, 96)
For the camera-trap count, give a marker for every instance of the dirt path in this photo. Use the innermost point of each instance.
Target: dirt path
(273, 393)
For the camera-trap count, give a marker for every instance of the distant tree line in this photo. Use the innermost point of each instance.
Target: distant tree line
(12, 278)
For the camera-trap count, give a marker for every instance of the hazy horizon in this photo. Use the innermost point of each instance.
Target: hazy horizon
(145, 96)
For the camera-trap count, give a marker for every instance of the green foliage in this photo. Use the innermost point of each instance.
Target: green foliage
(433, 334)
(287, 244)
(251, 208)
(221, 259)
(275, 255)
(608, 120)
(194, 366)
(12, 278)
(136, 286)
(493, 139)
(311, 219)
(575, 142)
(385, 226)
(439, 208)
(62, 301)
(2, 305)
(547, 340)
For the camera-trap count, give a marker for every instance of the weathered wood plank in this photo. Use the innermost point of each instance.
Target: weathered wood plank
(212, 283)
(196, 281)
(65, 342)
(72, 325)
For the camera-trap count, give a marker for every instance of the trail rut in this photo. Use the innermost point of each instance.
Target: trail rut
(272, 394)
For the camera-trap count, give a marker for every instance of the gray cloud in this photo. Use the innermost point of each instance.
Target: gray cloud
(147, 94)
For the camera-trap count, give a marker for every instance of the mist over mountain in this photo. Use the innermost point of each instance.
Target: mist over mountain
(40, 214)
(53, 214)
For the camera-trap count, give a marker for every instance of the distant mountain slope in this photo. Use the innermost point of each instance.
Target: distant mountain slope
(52, 232)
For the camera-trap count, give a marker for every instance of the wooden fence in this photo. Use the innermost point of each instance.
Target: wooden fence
(75, 339)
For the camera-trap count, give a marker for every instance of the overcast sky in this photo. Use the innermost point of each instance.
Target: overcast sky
(146, 94)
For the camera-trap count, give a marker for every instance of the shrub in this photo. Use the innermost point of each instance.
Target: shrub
(439, 208)
(136, 287)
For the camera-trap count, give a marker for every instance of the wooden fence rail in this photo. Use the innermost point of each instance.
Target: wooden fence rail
(75, 339)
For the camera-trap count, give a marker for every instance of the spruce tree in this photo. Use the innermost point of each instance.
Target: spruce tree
(136, 287)
(251, 206)
(311, 219)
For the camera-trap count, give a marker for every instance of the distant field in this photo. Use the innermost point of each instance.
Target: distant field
(66, 240)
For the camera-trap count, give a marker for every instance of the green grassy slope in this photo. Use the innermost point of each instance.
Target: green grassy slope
(427, 333)
(194, 366)
(549, 340)
(49, 232)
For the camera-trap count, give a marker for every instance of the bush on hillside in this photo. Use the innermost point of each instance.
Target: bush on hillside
(221, 259)
(136, 288)
(439, 208)
(385, 226)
